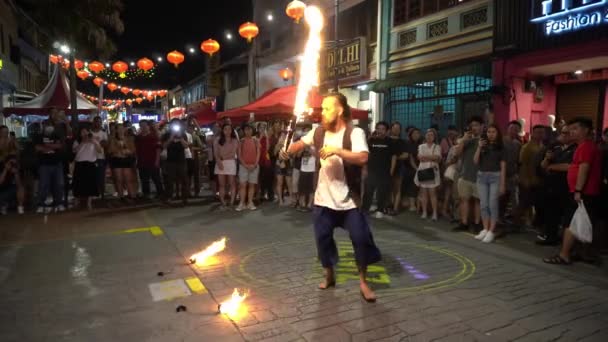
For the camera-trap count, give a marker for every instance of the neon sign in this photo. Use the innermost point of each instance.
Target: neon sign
(560, 16)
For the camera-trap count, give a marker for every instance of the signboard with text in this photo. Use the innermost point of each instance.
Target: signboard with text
(349, 61)
(562, 16)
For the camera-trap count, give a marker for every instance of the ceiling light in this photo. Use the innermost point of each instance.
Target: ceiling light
(578, 72)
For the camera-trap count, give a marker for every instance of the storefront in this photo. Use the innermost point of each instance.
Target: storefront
(555, 62)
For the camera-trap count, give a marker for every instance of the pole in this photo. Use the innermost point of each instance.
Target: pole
(99, 103)
(73, 99)
(337, 44)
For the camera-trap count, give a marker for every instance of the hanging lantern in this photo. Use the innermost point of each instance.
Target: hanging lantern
(96, 67)
(295, 10)
(120, 67)
(150, 98)
(65, 64)
(125, 90)
(162, 93)
(286, 74)
(78, 64)
(129, 102)
(249, 30)
(139, 100)
(175, 58)
(136, 92)
(98, 81)
(145, 64)
(112, 86)
(210, 46)
(83, 74)
(153, 93)
(54, 59)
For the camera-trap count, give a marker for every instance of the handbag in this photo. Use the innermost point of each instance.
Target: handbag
(428, 174)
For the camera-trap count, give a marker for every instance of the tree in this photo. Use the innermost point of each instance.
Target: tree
(85, 25)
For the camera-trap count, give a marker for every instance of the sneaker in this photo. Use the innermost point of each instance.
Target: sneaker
(434, 217)
(488, 238)
(40, 210)
(3, 210)
(423, 216)
(481, 235)
(379, 215)
(20, 210)
(59, 209)
(251, 207)
(240, 207)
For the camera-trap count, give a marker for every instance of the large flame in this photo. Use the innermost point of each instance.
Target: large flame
(206, 256)
(233, 306)
(309, 68)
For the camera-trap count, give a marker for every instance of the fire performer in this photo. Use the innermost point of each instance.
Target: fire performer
(343, 150)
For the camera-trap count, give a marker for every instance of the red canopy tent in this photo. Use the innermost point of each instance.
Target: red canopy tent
(56, 94)
(278, 103)
(204, 115)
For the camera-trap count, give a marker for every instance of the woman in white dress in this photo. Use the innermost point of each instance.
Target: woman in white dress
(429, 155)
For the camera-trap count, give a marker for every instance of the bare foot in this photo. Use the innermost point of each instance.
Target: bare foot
(367, 293)
(327, 283)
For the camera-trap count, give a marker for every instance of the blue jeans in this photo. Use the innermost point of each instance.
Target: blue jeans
(488, 184)
(50, 178)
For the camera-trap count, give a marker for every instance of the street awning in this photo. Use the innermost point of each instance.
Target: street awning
(204, 115)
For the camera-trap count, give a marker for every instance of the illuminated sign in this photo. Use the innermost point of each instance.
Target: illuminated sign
(1, 64)
(560, 16)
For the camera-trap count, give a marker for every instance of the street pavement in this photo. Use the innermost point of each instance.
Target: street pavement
(120, 274)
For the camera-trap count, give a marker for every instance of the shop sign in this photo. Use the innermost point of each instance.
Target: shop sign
(350, 60)
(562, 16)
(136, 118)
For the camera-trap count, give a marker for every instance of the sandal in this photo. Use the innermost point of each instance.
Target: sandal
(556, 260)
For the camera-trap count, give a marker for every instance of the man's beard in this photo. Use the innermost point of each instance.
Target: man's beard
(330, 126)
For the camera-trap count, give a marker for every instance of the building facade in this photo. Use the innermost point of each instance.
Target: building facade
(551, 59)
(434, 60)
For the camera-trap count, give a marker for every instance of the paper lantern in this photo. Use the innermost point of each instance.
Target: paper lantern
(136, 92)
(65, 64)
(98, 81)
(112, 86)
(83, 74)
(145, 64)
(295, 10)
(125, 90)
(78, 64)
(120, 67)
(210, 46)
(96, 67)
(129, 102)
(150, 98)
(175, 57)
(162, 93)
(54, 59)
(139, 100)
(249, 30)
(286, 74)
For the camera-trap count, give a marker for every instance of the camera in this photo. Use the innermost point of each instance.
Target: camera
(176, 128)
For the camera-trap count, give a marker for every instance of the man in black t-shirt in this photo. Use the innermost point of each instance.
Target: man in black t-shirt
(50, 169)
(380, 168)
(175, 142)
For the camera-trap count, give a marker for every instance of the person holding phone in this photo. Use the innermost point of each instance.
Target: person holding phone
(176, 143)
(86, 149)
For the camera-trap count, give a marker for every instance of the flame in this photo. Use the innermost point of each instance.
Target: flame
(233, 307)
(206, 256)
(309, 69)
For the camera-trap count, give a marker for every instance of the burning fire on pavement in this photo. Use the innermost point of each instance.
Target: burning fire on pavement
(207, 256)
(234, 307)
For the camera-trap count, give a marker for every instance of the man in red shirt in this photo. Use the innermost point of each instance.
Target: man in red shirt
(147, 146)
(584, 178)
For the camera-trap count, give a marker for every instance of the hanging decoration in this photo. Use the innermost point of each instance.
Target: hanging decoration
(78, 64)
(120, 67)
(54, 59)
(175, 57)
(136, 92)
(145, 64)
(210, 46)
(295, 10)
(112, 86)
(98, 81)
(83, 74)
(150, 98)
(249, 31)
(125, 90)
(96, 67)
(139, 100)
(162, 93)
(132, 73)
(129, 102)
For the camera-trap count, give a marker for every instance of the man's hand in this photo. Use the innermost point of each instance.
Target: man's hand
(329, 151)
(283, 155)
(577, 197)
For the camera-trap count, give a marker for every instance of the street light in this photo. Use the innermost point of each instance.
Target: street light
(229, 36)
(270, 17)
(107, 65)
(159, 59)
(132, 63)
(64, 48)
(191, 50)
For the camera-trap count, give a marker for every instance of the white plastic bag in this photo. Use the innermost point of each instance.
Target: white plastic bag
(580, 226)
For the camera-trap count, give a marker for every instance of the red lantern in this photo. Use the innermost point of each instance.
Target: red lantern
(125, 90)
(162, 93)
(145, 64)
(295, 10)
(129, 102)
(175, 58)
(249, 30)
(98, 81)
(54, 59)
(210, 46)
(286, 74)
(136, 92)
(83, 74)
(120, 67)
(139, 99)
(150, 98)
(96, 67)
(65, 64)
(112, 86)
(78, 64)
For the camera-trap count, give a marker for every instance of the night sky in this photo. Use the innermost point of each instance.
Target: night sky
(153, 29)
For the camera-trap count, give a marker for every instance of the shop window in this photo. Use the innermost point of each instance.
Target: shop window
(475, 18)
(407, 38)
(408, 10)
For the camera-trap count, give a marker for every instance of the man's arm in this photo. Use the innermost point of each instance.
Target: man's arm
(296, 147)
(357, 158)
(581, 178)
(393, 164)
(563, 167)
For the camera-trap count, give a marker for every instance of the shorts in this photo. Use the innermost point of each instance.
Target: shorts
(249, 176)
(467, 189)
(229, 168)
(306, 183)
(283, 171)
(122, 163)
